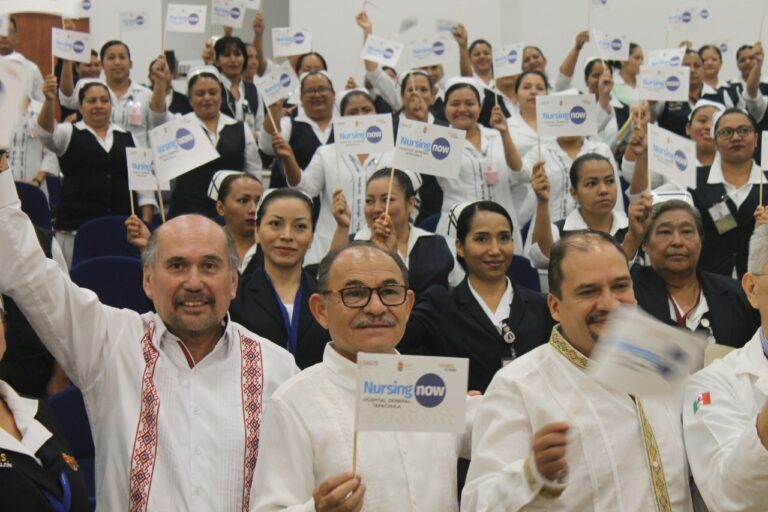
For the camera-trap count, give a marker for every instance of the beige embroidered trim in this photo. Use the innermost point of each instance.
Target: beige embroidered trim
(655, 465)
(566, 349)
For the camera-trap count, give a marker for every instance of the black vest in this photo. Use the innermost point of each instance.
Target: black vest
(304, 143)
(720, 253)
(190, 192)
(179, 104)
(229, 104)
(674, 117)
(95, 182)
(619, 236)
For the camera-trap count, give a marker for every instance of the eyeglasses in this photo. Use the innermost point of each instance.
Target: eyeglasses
(728, 132)
(317, 91)
(360, 296)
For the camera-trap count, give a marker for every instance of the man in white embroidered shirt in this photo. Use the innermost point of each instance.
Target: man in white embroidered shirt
(549, 437)
(725, 412)
(307, 437)
(174, 397)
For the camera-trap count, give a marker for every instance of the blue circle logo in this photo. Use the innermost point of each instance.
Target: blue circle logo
(184, 139)
(724, 47)
(686, 17)
(389, 53)
(78, 47)
(193, 19)
(235, 13)
(374, 134)
(616, 45)
(577, 115)
(681, 161)
(704, 14)
(298, 38)
(675, 61)
(430, 390)
(139, 20)
(512, 57)
(285, 80)
(672, 83)
(438, 48)
(87, 5)
(441, 148)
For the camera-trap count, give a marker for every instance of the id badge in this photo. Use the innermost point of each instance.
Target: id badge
(134, 114)
(490, 175)
(722, 217)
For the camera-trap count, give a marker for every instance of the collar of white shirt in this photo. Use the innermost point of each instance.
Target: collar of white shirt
(108, 138)
(33, 433)
(414, 234)
(170, 344)
(344, 369)
(575, 222)
(430, 117)
(224, 120)
(716, 173)
(503, 309)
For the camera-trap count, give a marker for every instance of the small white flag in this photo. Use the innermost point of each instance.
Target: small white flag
(14, 83)
(611, 46)
(86, 8)
(664, 83)
(179, 146)
(185, 18)
(429, 51)
(382, 51)
(229, 13)
(71, 45)
(5, 20)
(141, 171)
(672, 156)
(704, 14)
(287, 41)
(397, 393)
(563, 115)
(668, 57)
(273, 86)
(133, 20)
(357, 135)
(599, 4)
(253, 4)
(639, 355)
(764, 151)
(446, 25)
(428, 149)
(508, 60)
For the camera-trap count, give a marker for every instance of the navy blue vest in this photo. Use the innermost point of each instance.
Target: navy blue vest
(304, 143)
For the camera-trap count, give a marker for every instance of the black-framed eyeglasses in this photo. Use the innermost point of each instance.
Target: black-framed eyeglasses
(360, 296)
(742, 131)
(316, 91)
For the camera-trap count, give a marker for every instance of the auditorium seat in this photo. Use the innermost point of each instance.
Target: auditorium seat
(521, 272)
(104, 236)
(117, 280)
(34, 204)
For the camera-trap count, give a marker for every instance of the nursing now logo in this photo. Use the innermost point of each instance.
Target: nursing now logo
(438, 48)
(185, 139)
(285, 80)
(616, 45)
(298, 38)
(577, 115)
(681, 161)
(193, 19)
(440, 148)
(374, 134)
(512, 57)
(86, 5)
(235, 13)
(429, 391)
(672, 83)
(139, 20)
(674, 61)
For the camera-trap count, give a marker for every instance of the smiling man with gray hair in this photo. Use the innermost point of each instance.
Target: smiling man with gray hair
(725, 414)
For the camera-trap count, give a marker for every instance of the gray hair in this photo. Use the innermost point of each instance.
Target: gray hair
(325, 265)
(149, 255)
(758, 250)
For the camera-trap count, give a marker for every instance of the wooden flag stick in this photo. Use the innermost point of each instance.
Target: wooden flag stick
(133, 208)
(495, 93)
(389, 191)
(354, 454)
(338, 169)
(762, 179)
(762, 21)
(272, 120)
(162, 206)
(538, 145)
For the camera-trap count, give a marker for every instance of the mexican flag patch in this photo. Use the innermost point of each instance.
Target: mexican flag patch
(701, 400)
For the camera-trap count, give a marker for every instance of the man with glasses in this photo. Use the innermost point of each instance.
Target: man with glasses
(725, 412)
(307, 441)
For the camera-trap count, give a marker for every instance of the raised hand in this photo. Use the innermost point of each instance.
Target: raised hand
(540, 182)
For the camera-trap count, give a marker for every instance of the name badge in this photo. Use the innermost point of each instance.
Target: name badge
(134, 114)
(490, 175)
(722, 217)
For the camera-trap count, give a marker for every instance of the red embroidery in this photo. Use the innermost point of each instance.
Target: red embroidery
(145, 443)
(252, 383)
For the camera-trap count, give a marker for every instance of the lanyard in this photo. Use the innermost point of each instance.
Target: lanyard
(65, 504)
(680, 318)
(291, 324)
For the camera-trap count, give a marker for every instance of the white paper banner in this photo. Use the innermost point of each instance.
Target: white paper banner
(133, 20)
(253, 4)
(669, 57)
(764, 151)
(14, 79)
(611, 46)
(229, 13)
(639, 355)
(428, 148)
(185, 18)
(287, 41)
(566, 115)
(65, 8)
(446, 25)
(141, 171)
(429, 51)
(5, 20)
(71, 45)
(672, 156)
(358, 135)
(179, 146)
(397, 393)
(664, 83)
(684, 17)
(508, 60)
(382, 51)
(277, 85)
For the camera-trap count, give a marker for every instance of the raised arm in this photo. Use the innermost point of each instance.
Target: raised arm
(568, 67)
(47, 116)
(639, 214)
(460, 35)
(511, 155)
(364, 22)
(542, 227)
(159, 77)
(258, 42)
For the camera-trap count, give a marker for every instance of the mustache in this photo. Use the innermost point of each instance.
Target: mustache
(195, 297)
(377, 321)
(597, 317)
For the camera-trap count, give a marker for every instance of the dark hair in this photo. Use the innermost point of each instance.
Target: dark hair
(462, 85)
(531, 47)
(578, 240)
(109, 44)
(531, 72)
(316, 73)
(402, 179)
(482, 41)
(226, 183)
(736, 110)
(284, 193)
(464, 222)
(301, 58)
(84, 89)
(407, 78)
(711, 47)
(192, 81)
(577, 164)
(741, 49)
(231, 44)
(591, 64)
(13, 22)
(689, 51)
(354, 94)
(387, 68)
(325, 265)
(672, 205)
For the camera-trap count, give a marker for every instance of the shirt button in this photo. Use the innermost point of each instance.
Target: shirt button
(655, 464)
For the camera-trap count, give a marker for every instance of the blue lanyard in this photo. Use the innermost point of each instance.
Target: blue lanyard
(291, 324)
(65, 504)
